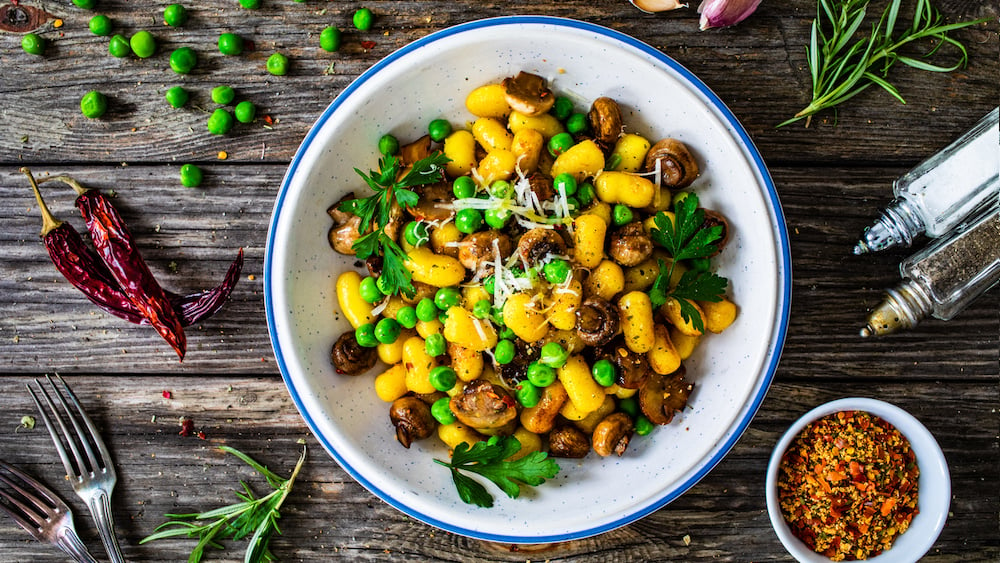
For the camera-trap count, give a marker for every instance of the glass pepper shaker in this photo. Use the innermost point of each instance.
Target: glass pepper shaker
(943, 278)
(958, 182)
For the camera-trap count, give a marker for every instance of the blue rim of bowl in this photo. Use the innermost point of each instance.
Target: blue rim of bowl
(784, 302)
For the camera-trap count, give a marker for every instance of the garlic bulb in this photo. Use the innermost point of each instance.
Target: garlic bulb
(724, 13)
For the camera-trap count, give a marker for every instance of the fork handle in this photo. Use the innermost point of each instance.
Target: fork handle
(69, 542)
(100, 509)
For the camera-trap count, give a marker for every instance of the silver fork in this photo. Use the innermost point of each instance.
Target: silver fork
(93, 476)
(41, 513)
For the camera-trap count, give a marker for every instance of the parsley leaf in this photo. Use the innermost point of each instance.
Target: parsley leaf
(490, 460)
(375, 212)
(686, 237)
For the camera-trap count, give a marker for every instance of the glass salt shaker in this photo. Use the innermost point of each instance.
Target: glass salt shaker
(943, 278)
(933, 198)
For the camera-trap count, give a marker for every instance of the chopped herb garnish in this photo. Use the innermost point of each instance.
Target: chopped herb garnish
(375, 212)
(686, 237)
(490, 459)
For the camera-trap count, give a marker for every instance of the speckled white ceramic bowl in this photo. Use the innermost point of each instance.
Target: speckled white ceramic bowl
(430, 79)
(933, 486)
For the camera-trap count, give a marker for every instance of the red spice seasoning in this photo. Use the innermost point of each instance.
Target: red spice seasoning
(847, 485)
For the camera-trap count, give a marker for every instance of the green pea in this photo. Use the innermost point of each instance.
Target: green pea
(482, 309)
(557, 271)
(387, 331)
(441, 411)
(603, 372)
(585, 193)
(245, 111)
(504, 352)
(443, 378)
(415, 233)
(250, 4)
(541, 375)
(427, 311)
(501, 189)
(629, 406)
(562, 108)
(443, 317)
(622, 215)
(506, 333)
(369, 290)
(447, 297)
(574, 205)
(365, 335)
(565, 183)
(435, 345)
(119, 47)
(560, 143)
(439, 129)
(100, 25)
(407, 317)
(220, 122)
(175, 15)
(490, 285)
(699, 264)
(191, 176)
(388, 144)
(643, 426)
(329, 40)
(363, 19)
(93, 104)
(183, 60)
(468, 221)
(497, 218)
(33, 44)
(528, 394)
(85, 4)
(553, 355)
(230, 44)
(577, 123)
(277, 64)
(177, 97)
(464, 187)
(143, 44)
(223, 94)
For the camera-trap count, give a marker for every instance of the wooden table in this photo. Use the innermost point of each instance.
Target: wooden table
(832, 178)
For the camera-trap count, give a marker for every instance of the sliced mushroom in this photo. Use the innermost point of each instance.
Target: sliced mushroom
(713, 219)
(568, 441)
(631, 369)
(630, 245)
(605, 121)
(597, 321)
(540, 184)
(477, 251)
(663, 395)
(434, 203)
(484, 406)
(528, 94)
(678, 167)
(612, 434)
(344, 231)
(541, 418)
(412, 152)
(349, 357)
(423, 290)
(412, 419)
(538, 243)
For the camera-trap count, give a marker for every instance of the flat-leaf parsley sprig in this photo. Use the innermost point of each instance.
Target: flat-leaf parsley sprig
(490, 459)
(375, 212)
(254, 517)
(686, 237)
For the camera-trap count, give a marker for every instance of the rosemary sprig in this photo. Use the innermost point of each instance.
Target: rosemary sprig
(256, 517)
(841, 69)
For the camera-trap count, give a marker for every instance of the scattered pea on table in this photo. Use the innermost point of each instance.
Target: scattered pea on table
(220, 122)
(100, 25)
(277, 64)
(85, 4)
(93, 104)
(250, 4)
(363, 19)
(230, 44)
(143, 44)
(245, 111)
(177, 97)
(183, 60)
(33, 44)
(191, 176)
(329, 39)
(175, 15)
(223, 95)
(119, 47)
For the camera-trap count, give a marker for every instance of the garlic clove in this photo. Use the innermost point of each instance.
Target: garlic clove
(724, 13)
(653, 6)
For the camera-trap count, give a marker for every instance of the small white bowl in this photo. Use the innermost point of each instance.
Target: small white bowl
(934, 485)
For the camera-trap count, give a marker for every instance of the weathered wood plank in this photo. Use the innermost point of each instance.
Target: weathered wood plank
(329, 514)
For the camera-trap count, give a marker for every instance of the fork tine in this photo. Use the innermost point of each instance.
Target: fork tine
(29, 526)
(36, 505)
(56, 440)
(104, 460)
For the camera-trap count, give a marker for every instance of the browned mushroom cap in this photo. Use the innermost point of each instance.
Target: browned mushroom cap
(597, 321)
(605, 121)
(713, 219)
(349, 357)
(484, 406)
(630, 245)
(412, 419)
(568, 441)
(677, 165)
(540, 184)
(528, 94)
(344, 231)
(631, 369)
(423, 290)
(663, 395)
(417, 150)
(538, 243)
(434, 203)
(611, 436)
(476, 250)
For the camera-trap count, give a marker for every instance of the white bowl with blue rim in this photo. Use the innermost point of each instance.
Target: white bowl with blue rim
(933, 484)
(430, 79)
